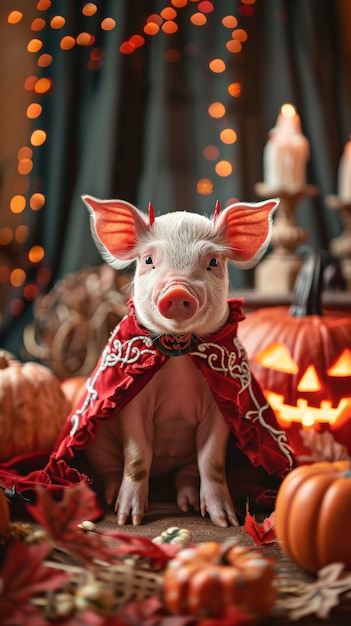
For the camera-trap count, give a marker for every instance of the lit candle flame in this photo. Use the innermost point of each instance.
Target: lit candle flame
(288, 111)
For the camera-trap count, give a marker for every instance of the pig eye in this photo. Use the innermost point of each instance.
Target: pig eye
(149, 261)
(213, 263)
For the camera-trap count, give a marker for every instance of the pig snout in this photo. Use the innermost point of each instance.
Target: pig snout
(177, 303)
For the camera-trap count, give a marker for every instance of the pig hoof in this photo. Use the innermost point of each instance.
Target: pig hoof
(122, 519)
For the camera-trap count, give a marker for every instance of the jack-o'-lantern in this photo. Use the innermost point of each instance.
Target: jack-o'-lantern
(302, 358)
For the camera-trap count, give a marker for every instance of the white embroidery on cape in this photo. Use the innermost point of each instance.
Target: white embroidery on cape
(235, 364)
(115, 353)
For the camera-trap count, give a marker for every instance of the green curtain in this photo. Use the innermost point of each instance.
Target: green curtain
(137, 128)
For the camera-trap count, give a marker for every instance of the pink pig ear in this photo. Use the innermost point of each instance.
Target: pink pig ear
(247, 228)
(116, 226)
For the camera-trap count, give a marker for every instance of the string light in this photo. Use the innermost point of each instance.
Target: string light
(166, 22)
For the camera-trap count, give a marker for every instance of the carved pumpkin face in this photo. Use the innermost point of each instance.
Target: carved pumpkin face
(304, 367)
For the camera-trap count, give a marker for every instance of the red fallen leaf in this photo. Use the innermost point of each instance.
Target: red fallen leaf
(261, 532)
(22, 576)
(61, 518)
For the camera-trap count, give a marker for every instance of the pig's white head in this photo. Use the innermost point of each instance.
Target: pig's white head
(181, 276)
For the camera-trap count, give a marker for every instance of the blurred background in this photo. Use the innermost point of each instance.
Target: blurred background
(152, 100)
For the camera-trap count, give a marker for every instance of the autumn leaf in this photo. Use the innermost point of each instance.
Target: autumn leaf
(261, 532)
(23, 575)
(319, 597)
(61, 520)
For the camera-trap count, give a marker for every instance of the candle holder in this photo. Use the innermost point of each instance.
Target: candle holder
(341, 245)
(278, 271)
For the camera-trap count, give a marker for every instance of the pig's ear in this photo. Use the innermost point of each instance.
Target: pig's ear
(247, 229)
(116, 226)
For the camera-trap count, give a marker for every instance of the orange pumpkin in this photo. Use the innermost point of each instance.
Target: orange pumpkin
(301, 356)
(33, 407)
(73, 388)
(209, 580)
(313, 511)
(4, 513)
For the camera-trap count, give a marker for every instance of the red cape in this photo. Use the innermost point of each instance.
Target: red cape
(128, 362)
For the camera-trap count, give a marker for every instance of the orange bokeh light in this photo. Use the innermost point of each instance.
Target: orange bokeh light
(67, 43)
(204, 186)
(229, 21)
(57, 22)
(108, 23)
(233, 46)
(89, 9)
(17, 204)
(155, 18)
(151, 28)
(179, 4)
(127, 47)
(239, 34)
(38, 137)
(234, 89)
(198, 19)
(21, 233)
(228, 136)
(217, 66)
(14, 17)
(168, 13)
(34, 110)
(137, 40)
(43, 85)
(30, 292)
(25, 166)
(223, 168)
(169, 27)
(17, 277)
(43, 5)
(216, 110)
(211, 153)
(6, 235)
(34, 45)
(37, 201)
(85, 39)
(36, 254)
(24, 153)
(38, 24)
(45, 60)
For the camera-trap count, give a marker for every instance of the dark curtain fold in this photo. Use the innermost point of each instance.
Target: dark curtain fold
(137, 128)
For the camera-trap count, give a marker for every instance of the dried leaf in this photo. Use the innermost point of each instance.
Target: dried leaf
(323, 446)
(320, 596)
(261, 532)
(23, 575)
(61, 518)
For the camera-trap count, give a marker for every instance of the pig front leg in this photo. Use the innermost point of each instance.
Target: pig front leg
(212, 439)
(132, 498)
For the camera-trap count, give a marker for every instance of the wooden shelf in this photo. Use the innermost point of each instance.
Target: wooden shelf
(334, 301)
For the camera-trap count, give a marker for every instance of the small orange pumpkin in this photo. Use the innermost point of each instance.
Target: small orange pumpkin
(4, 513)
(209, 580)
(312, 512)
(33, 407)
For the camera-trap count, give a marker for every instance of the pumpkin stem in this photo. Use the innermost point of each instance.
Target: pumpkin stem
(4, 360)
(308, 287)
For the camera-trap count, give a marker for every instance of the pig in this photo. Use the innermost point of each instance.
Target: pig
(180, 296)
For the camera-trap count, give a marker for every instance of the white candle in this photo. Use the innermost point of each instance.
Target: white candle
(286, 152)
(344, 174)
